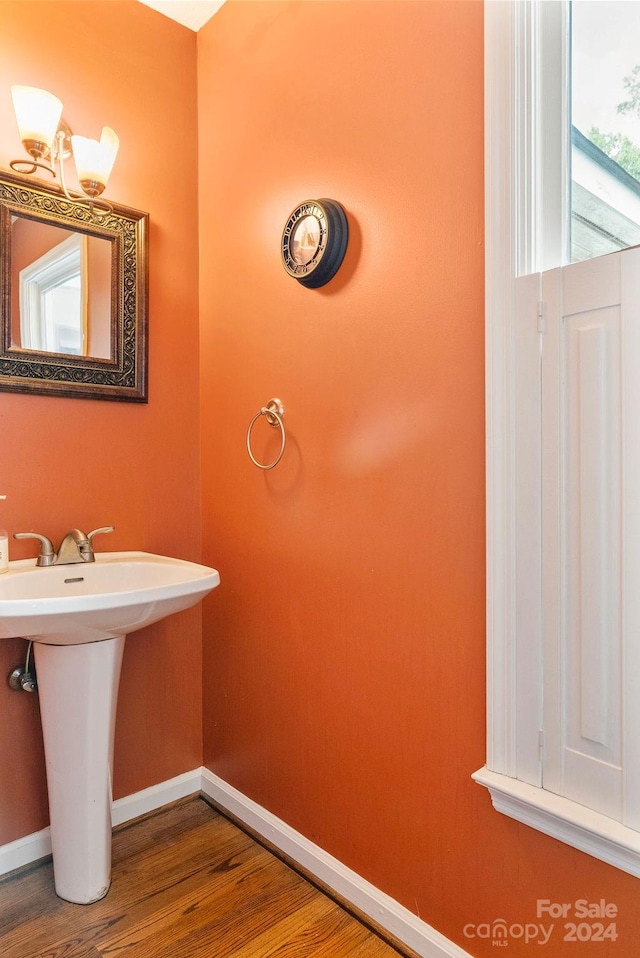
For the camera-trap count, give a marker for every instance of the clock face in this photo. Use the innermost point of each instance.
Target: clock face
(304, 241)
(314, 242)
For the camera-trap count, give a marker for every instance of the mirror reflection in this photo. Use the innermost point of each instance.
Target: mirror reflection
(73, 294)
(64, 283)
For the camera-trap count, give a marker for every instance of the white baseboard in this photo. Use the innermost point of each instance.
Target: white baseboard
(131, 806)
(347, 884)
(31, 848)
(25, 850)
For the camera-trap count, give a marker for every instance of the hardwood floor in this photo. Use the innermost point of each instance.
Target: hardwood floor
(186, 883)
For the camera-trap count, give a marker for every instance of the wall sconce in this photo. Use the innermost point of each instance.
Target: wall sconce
(45, 135)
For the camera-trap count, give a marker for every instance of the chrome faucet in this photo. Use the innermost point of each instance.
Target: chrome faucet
(75, 547)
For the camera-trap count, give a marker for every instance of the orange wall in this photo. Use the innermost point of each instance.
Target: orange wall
(68, 462)
(344, 655)
(344, 650)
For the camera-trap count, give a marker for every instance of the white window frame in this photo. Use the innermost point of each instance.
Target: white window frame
(65, 261)
(527, 171)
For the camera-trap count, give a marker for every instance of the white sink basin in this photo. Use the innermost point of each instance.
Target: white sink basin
(78, 615)
(88, 602)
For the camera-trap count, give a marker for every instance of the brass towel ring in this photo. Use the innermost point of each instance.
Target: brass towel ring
(274, 413)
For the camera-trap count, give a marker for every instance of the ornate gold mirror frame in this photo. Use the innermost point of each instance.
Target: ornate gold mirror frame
(116, 370)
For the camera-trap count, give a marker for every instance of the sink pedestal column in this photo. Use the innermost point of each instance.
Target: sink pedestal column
(78, 690)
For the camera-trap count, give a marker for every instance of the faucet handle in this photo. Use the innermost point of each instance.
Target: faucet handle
(97, 532)
(47, 554)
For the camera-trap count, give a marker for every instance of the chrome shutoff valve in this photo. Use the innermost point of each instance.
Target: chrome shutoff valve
(23, 677)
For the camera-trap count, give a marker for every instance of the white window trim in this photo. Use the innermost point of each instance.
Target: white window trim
(565, 820)
(62, 262)
(522, 197)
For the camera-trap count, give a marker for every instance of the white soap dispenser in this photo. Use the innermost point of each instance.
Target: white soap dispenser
(4, 548)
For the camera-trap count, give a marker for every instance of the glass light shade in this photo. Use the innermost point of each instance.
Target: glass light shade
(94, 160)
(38, 115)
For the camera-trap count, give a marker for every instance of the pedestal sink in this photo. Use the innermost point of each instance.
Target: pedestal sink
(78, 616)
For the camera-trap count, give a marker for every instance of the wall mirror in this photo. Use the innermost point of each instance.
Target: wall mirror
(73, 295)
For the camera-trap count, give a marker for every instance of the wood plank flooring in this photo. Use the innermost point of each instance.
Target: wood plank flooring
(186, 883)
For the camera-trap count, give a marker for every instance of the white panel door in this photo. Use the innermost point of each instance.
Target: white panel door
(590, 418)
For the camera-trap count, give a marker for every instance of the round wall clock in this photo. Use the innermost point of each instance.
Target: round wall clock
(314, 242)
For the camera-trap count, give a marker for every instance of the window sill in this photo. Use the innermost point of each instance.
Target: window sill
(566, 820)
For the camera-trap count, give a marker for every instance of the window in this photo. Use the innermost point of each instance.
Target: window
(605, 126)
(529, 227)
(53, 301)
